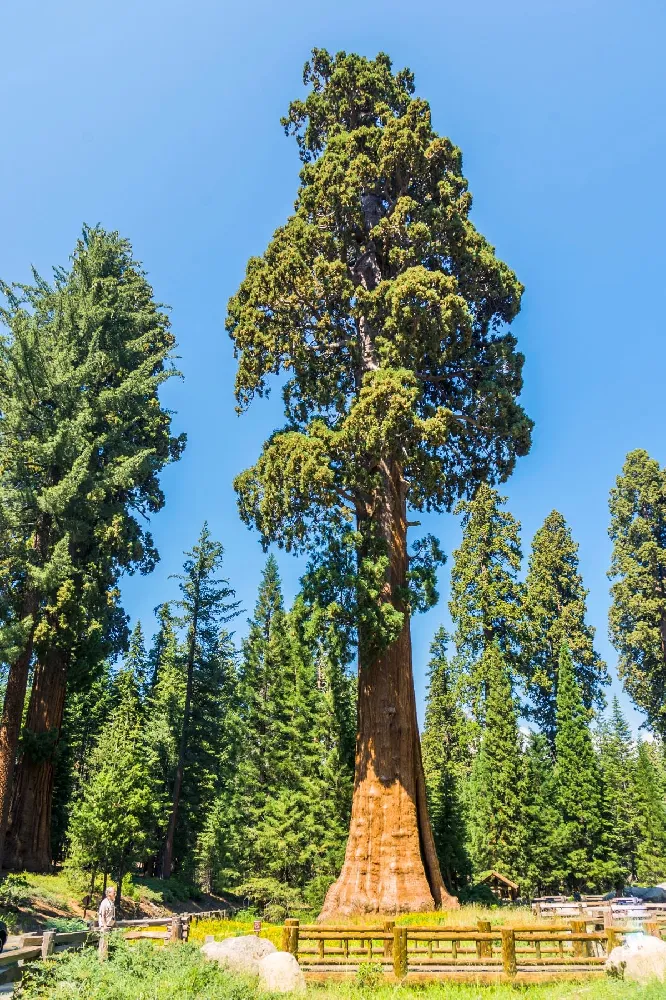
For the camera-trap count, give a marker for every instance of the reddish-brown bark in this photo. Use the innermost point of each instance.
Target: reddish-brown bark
(10, 724)
(390, 863)
(28, 841)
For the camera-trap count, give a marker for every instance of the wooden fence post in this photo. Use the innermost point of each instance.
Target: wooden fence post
(290, 937)
(388, 944)
(579, 947)
(509, 952)
(400, 952)
(186, 926)
(652, 929)
(103, 946)
(613, 939)
(176, 928)
(48, 943)
(484, 949)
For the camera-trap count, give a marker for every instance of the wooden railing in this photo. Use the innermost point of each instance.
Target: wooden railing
(40, 946)
(601, 911)
(480, 952)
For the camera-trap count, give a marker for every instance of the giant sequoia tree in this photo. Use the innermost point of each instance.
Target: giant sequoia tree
(83, 438)
(387, 312)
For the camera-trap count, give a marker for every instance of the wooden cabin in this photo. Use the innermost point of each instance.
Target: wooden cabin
(499, 885)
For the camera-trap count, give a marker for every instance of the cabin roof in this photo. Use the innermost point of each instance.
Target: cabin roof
(487, 876)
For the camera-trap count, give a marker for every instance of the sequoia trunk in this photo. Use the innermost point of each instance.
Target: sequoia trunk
(390, 862)
(28, 843)
(10, 731)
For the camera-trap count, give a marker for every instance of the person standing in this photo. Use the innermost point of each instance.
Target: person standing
(106, 915)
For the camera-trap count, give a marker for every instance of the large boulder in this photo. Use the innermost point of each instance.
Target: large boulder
(239, 954)
(640, 959)
(281, 973)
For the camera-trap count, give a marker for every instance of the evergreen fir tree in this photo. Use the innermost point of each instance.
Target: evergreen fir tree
(137, 659)
(165, 707)
(486, 596)
(577, 785)
(112, 820)
(638, 569)
(90, 701)
(265, 696)
(205, 607)
(554, 612)
(496, 808)
(445, 745)
(617, 759)
(650, 815)
(83, 438)
(212, 746)
(540, 817)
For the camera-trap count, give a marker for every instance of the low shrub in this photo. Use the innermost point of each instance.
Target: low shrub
(133, 972)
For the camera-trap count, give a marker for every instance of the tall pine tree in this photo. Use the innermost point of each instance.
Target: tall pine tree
(554, 612)
(650, 814)
(446, 746)
(205, 606)
(83, 438)
(577, 786)
(637, 615)
(497, 817)
(113, 819)
(617, 759)
(486, 595)
(540, 817)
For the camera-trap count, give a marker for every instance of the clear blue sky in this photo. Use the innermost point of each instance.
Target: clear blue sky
(161, 120)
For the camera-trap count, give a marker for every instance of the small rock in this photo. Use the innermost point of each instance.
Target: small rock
(239, 954)
(640, 959)
(281, 973)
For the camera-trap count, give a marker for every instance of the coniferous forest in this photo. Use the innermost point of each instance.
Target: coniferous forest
(265, 757)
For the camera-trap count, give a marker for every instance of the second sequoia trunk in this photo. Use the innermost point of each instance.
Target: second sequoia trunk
(28, 844)
(390, 862)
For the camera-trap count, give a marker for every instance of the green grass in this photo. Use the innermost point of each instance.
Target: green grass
(140, 971)
(221, 929)
(599, 989)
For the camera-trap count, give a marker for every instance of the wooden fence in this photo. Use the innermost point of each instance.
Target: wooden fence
(39, 946)
(523, 953)
(480, 953)
(601, 911)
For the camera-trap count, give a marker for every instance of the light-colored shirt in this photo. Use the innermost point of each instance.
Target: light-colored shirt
(106, 914)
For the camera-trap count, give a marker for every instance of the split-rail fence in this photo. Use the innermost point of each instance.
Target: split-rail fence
(480, 953)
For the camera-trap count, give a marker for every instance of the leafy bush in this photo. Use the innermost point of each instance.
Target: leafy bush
(315, 891)
(274, 913)
(268, 892)
(64, 924)
(133, 973)
(369, 975)
(14, 890)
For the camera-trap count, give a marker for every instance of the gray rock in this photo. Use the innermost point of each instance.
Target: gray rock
(281, 973)
(239, 954)
(641, 959)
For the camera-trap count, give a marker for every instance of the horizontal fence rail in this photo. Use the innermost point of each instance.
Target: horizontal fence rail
(40, 946)
(521, 952)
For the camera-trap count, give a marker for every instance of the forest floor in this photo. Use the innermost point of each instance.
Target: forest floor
(55, 901)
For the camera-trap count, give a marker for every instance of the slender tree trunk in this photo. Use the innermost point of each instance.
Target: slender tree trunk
(12, 716)
(390, 862)
(167, 855)
(28, 841)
